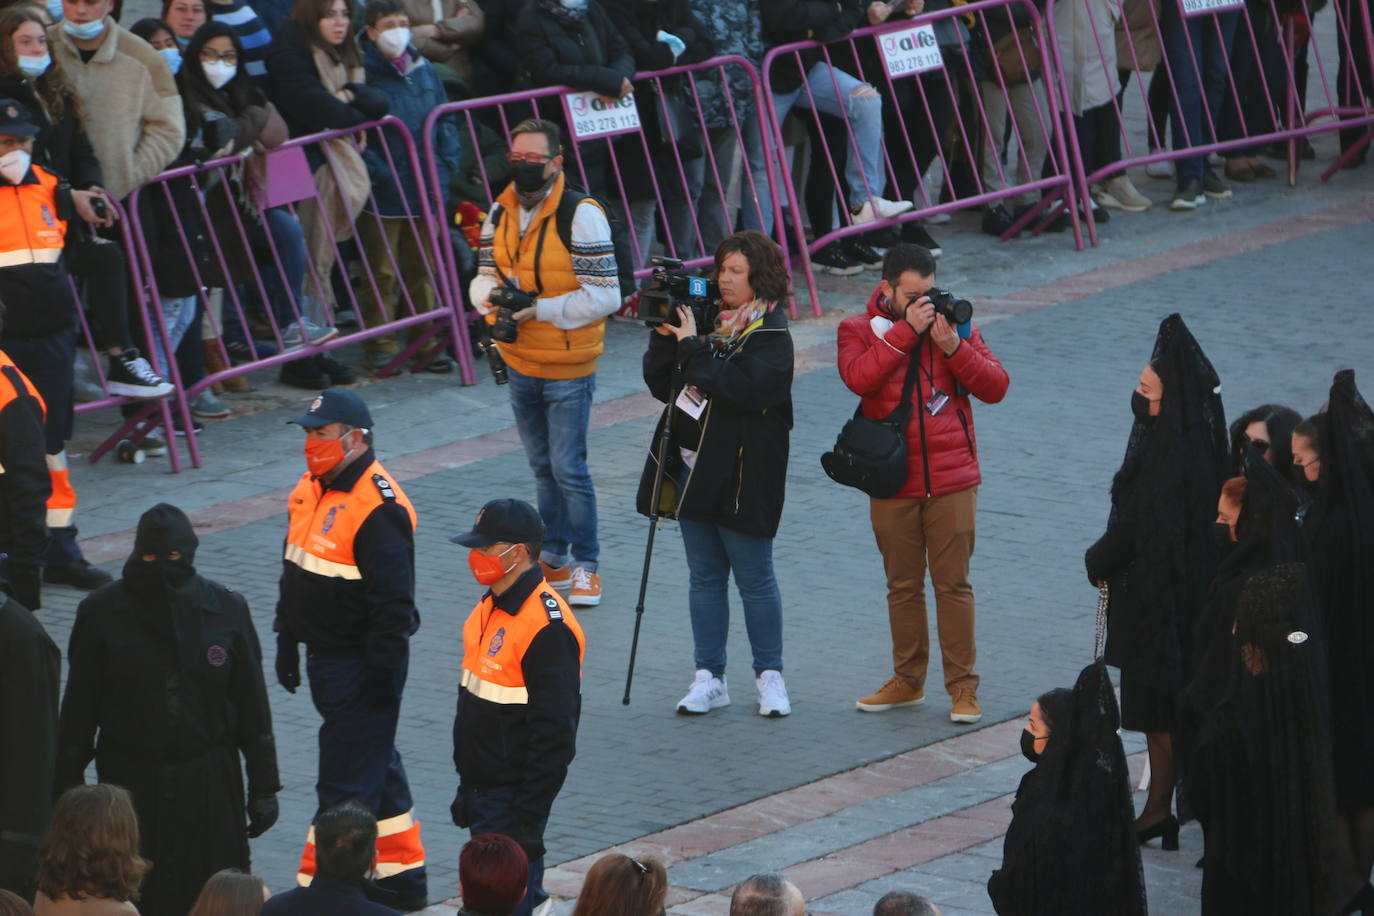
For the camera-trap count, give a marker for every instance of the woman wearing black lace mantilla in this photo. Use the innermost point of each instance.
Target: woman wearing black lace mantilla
(1158, 556)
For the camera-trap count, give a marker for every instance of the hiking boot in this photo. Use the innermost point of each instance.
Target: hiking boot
(586, 588)
(965, 709)
(707, 692)
(895, 694)
(132, 377)
(559, 577)
(773, 701)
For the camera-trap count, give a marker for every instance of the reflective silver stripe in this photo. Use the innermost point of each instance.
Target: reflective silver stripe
(398, 824)
(311, 563)
(493, 692)
(57, 462)
(60, 518)
(29, 256)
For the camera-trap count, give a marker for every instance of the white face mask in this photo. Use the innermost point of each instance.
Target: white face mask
(173, 58)
(34, 67)
(217, 72)
(14, 165)
(84, 31)
(393, 42)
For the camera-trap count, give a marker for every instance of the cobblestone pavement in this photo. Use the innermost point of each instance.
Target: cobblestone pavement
(1273, 283)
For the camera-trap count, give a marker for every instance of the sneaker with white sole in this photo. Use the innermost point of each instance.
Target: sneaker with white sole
(207, 405)
(1119, 194)
(773, 701)
(586, 588)
(305, 331)
(707, 692)
(879, 208)
(1162, 168)
(559, 577)
(130, 376)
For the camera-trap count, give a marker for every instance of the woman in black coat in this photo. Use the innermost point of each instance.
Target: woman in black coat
(729, 416)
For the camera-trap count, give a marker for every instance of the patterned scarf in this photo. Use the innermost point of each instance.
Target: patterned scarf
(731, 323)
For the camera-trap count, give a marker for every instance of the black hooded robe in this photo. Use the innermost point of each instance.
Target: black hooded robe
(165, 690)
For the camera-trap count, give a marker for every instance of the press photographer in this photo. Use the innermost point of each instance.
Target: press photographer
(917, 345)
(546, 281)
(723, 439)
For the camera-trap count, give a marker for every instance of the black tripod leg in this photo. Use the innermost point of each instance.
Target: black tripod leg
(661, 455)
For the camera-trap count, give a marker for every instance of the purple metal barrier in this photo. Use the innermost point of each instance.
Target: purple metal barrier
(660, 160)
(275, 265)
(936, 102)
(1231, 76)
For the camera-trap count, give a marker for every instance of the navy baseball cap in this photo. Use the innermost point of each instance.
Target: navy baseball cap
(336, 405)
(504, 521)
(15, 119)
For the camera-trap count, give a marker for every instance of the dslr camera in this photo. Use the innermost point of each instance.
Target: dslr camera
(955, 310)
(669, 287)
(507, 300)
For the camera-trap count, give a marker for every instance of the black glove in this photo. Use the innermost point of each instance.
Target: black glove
(262, 814)
(26, 586)
(288, 663)
(458, 808)
(530, 839)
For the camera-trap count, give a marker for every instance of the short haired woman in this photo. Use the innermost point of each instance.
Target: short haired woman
(493, 872)
(231, 892)
(89, 862)
(617, 885)
(728, 391)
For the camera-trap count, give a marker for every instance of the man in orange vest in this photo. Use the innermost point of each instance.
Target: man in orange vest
(546, 280)
(519, 698)
(348, 594)
(40, 322)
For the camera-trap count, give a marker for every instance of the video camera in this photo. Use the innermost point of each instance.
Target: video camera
(507, 300)
(668, 289)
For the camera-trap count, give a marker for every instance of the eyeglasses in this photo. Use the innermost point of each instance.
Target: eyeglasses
(519, 158)
(209, 56)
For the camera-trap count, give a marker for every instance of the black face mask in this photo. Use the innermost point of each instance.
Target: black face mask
(529, 177)
(1028, 746)
(1140, 406)
(1221, 535)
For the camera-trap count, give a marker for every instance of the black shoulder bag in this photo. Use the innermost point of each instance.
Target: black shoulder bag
(870, 455)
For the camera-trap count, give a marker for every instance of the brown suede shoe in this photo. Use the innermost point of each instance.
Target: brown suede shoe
(965, 709)
(895, 693)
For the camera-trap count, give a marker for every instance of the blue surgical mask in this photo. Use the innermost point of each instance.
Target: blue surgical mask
(173, 58)
(34, 67)
(54, 9)
(84, 31)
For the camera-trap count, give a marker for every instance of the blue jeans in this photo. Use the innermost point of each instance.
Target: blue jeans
(178, 314)
(493, 811)
(288, 240)
(863, 173)
(552, 416)
(1186, 38)
(712, 552)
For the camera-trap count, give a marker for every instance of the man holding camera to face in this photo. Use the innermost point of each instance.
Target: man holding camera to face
(546, 282)
(930, 520)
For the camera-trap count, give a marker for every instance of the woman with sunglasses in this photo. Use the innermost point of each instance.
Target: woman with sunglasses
(1268, 429)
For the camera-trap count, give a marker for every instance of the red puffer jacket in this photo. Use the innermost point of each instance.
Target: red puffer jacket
(942, 451)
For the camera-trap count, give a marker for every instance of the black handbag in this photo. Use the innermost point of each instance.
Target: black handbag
(870, 455)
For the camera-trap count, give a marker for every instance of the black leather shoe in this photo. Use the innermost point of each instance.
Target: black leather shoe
(303, 373)
(80, 575)
(338, 373)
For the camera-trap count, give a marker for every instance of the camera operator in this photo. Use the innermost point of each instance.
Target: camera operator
(727, 383)
(546, 281)
(930, 520)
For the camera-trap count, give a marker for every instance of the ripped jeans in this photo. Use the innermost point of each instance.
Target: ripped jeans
(863, 110)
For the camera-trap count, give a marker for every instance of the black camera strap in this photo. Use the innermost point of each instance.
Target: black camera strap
(901, 414)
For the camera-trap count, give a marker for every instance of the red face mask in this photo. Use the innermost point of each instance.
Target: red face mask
(322, 455)
(488, 570)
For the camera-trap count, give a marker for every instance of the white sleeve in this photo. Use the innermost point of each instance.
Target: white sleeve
(593, 258)
(486, 279)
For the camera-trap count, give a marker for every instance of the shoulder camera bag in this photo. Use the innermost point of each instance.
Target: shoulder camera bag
(870, 455)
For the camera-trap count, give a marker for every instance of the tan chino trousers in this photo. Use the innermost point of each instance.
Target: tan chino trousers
(935, 532)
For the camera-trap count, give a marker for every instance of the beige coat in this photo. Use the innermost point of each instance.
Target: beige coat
(133, 112)
(1079, 26)
(457, 32)
(86, 906)
(1139, 23)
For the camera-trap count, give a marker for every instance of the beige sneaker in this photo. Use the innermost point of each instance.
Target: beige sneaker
(586, 588)
(1119, 194)
(965, 708)
(559, 577)
(895, 693)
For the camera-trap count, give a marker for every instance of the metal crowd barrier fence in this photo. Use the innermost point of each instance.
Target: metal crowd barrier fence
(941, 95)
(1228, 76)
(278, 235)
(683, 159)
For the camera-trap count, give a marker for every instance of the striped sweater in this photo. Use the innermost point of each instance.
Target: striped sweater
(251, 32)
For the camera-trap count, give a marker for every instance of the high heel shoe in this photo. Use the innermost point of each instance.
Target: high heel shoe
(1165, 828)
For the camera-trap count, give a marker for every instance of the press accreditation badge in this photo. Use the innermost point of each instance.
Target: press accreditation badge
(691, 402)
(910, 52)
(592, 115)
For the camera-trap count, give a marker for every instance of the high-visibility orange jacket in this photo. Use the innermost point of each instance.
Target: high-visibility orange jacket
(348, 567)
(519, 698)
(33, 282)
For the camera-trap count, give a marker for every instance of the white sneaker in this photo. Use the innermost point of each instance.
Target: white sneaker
(879, 208)
(1161, 169)
(773, 701)
(707, 692)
